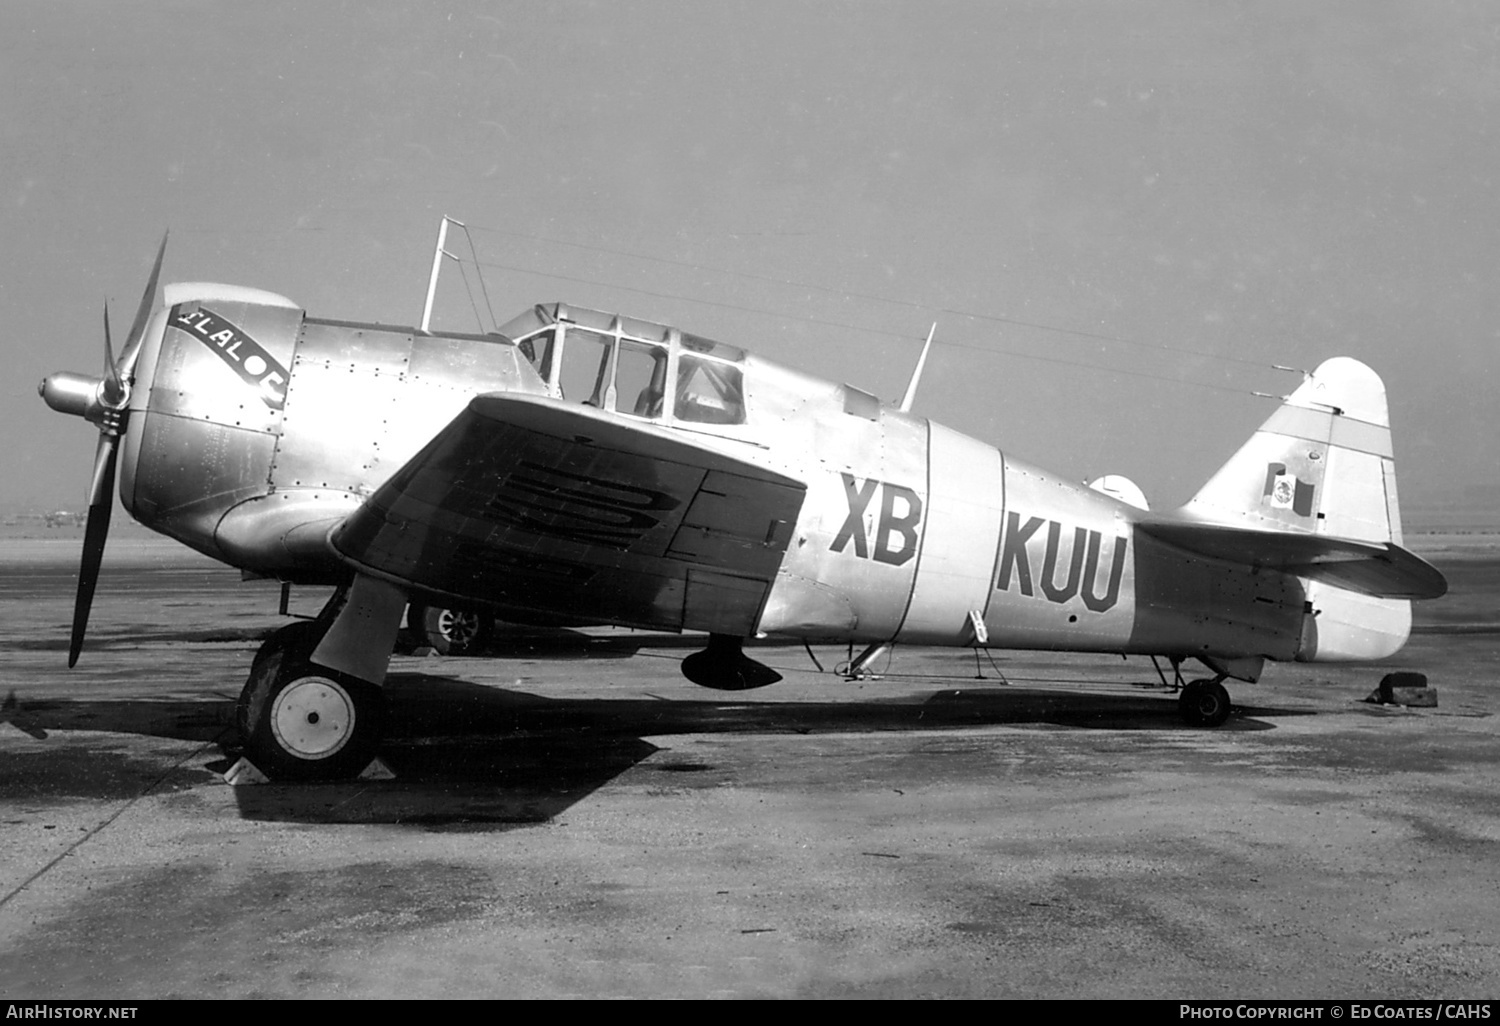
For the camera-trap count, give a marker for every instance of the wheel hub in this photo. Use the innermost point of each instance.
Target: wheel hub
(312, 718)
(459, 628)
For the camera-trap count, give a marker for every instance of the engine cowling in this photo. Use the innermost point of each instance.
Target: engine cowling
(206, 407)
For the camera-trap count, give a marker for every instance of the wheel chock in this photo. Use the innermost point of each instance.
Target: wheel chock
(14, 719)
(10, 728)
(1404, 688)
(243, 773)
(377, 770)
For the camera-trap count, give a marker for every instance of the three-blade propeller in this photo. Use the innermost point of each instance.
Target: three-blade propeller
(108, 407)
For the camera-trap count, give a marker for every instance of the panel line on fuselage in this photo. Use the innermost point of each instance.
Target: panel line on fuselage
(990, 592)
(916, 575)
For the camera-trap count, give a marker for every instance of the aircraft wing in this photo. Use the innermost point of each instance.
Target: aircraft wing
(1378, 569)
(524, 501)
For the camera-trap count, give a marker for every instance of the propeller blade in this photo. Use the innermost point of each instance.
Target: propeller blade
(102, 480)
(114, 388)
(101, 504)
(132, 349)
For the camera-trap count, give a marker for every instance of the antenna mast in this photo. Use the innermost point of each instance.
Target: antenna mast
(916, 375)
(437, 263)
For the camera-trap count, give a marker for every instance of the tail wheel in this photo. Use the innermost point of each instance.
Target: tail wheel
(1204, 703)
(450, 631)
(300, 721)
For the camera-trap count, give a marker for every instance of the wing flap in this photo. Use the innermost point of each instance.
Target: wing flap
(1377, 569)
(734, 522)
(525, 501)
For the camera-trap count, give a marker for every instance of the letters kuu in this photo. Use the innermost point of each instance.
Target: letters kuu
(1015, 560)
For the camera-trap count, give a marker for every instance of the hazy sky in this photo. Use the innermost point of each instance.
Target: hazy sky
(1226, 186)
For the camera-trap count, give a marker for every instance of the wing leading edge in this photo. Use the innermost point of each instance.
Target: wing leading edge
(1377, 569)
(523, 502)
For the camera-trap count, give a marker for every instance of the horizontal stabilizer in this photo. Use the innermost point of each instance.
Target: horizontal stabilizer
(1377, 569)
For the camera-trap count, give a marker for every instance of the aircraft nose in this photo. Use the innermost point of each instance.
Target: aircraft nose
(73, 394)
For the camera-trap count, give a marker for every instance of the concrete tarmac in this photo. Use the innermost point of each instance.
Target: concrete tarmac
(571, 817)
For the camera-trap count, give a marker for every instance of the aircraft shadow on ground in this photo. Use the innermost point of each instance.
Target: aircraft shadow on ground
(103, 640)
(427, 706)
(470, 757)
(473, 758)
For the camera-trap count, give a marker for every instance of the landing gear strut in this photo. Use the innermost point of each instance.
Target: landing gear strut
(300, 721)
(1204, 703)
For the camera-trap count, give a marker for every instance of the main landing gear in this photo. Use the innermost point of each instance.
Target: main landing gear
(312, 708)
(300, 721)
(1204, 703)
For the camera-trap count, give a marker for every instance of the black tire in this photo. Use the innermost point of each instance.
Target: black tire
(300, 637)
(450, 631)
(299, 721)
(1204, 703)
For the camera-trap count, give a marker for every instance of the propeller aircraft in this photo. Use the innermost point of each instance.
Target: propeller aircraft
(593, 468)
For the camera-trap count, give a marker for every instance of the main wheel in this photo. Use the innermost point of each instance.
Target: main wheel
(1204, 703)
(449, 631)
(300, 721)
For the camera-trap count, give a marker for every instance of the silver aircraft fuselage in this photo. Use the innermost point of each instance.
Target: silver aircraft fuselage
(255, 430)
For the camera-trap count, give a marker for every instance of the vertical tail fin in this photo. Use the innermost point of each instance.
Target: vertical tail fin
(1322, 464)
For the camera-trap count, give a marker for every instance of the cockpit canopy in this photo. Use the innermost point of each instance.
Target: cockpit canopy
(631, 367)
